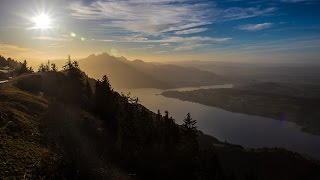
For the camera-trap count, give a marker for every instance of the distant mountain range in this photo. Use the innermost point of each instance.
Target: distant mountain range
(123, 73)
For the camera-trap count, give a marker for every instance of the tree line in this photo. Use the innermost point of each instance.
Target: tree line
(19, 67)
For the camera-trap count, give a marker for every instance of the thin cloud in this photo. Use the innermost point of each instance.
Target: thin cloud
(191, 31)
(255, 27)
(49, 38)
(148, 17)
(180, 43)
(103, 40)
(165, 44)
(185, 47)
(160, 52)
(236, 13)
(177, 39)
(155, 17)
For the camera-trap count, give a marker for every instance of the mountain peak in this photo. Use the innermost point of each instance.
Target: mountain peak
(122, 58)
(91, 56)
(104, 54)
(138, 61)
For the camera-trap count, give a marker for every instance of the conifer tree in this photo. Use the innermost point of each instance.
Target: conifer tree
(42, 68)
(189, 123)
(190, 135)
(88, 89)
(76, 85)
(24, 68)
(159, 116)
(54, 68)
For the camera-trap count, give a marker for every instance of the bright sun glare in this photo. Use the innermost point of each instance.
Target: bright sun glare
(42, 21)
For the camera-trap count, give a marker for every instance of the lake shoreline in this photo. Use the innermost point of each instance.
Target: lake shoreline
(248, 102)
(234, 128)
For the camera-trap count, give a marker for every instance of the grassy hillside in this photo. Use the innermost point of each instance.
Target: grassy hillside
(39, 134)
(23, 153)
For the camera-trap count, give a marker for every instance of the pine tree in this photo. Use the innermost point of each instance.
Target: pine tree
(106, 84)
(42, 68)
(190, 143)
(68, 64)
(189, 123)
(166, 116)
(159, 116)
(98, 97)
(54, 68)
(190, 134)
(48, 65)
(75, 77)
(88, 89)
(24, 68)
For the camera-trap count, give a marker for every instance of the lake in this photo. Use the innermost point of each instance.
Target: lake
(246, 130)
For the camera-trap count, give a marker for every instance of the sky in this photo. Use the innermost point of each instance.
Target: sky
(163, 30)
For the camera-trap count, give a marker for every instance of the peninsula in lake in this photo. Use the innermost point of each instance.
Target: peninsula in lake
(284, 102)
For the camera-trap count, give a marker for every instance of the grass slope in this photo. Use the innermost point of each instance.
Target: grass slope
(22, 152)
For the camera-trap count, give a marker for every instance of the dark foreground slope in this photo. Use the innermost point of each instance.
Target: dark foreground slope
(284, 102)
(49, 131)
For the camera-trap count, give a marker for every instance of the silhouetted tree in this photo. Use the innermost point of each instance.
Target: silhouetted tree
(106, 84)
(54, 67)
(3, 61)
(189, 124)
(12, 63)
(104, 98)
(88, 89)
(98, 94)
(190, 134)
(47, 67)
(43, 68)
(159, 116)
(166, 116)
(73, 71)
(68, 64)
(75, 87)
(24, 68)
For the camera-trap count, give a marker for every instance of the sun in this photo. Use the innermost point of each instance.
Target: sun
(42, 21)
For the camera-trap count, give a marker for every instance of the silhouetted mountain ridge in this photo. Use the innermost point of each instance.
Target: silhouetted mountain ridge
(124, 73)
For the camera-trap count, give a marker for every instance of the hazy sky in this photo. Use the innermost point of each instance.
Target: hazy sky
(162, 30)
